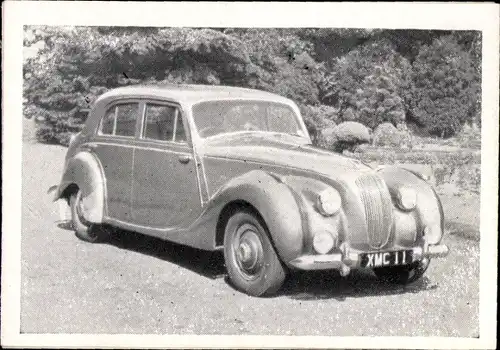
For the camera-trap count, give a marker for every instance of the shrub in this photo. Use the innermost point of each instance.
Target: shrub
(469, 178)
(387, 134)
(451, 160)
(55, 127)
(348, 135)
(469, 137)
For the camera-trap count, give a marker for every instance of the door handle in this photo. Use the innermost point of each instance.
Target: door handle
(184, 159)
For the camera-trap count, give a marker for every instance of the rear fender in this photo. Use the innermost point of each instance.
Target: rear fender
(84, 171)
(274, 201)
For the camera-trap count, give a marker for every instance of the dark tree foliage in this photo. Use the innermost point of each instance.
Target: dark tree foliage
(370, 84)
(445, 92)
(371, 76)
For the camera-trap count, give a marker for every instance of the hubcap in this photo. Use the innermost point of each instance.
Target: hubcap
(248, 251)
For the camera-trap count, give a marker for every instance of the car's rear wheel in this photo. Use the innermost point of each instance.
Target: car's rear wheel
(251, 261)
(85, 230)
(403, 274)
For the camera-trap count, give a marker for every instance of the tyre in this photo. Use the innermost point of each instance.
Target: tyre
(251, 261)
(85, 230)
(403, 274)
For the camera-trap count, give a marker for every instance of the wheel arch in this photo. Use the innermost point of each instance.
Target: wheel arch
(227, 211)
(68, 191)
(84, 172)
(273, 203)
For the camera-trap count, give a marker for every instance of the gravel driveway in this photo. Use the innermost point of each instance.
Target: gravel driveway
(136, 284)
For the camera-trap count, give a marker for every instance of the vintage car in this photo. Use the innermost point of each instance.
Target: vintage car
(217, 167)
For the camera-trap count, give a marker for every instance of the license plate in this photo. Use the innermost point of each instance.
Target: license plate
(379, 259)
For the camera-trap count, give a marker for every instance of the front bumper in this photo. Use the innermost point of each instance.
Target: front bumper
(349, 258)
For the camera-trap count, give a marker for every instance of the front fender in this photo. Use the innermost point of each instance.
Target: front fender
(84, 171)
(429, 210)
(276, 204)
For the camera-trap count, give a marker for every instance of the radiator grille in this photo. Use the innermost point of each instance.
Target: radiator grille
(378, 208)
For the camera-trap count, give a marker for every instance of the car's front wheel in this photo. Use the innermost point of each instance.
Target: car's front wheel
(251, 261)
(403, 274)
(85, 230)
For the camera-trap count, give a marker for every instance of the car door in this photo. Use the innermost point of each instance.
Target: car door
(112, 146)
(165, 184)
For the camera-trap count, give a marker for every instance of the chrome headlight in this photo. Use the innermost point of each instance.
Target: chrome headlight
(323, 242)
(407, 198)
(329, 202)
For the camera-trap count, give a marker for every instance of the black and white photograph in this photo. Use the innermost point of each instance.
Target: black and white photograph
(249, 175)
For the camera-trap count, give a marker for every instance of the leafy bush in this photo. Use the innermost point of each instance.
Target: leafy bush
(445, 92)
(348, 135)
(387, 134)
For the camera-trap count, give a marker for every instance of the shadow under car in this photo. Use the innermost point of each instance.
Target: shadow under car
(300, 285)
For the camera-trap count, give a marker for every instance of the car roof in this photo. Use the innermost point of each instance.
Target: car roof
(190, 94)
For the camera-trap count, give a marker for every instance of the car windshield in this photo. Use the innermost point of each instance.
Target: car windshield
(230, 116)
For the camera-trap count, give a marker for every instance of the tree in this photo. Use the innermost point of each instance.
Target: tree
(445, 93)
(77, 64)
(370, 76)
(370, 84)
(282, 62)
(378, 100)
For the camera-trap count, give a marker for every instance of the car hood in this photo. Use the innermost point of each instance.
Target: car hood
(280, 152)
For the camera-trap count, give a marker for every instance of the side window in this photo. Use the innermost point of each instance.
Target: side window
(126, 119)
(108, 122)
(120, 120)
(163, 123)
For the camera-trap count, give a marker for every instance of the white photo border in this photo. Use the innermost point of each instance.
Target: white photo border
(455, 16)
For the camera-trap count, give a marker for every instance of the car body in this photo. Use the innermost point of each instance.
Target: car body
(217, 167)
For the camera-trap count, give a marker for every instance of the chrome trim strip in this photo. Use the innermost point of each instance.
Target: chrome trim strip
(198, 162)
(205, 179)
(131, 199)
(139, 147)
